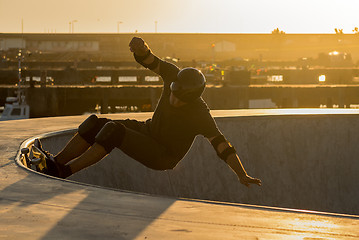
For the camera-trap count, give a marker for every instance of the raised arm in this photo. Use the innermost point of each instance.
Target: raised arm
(144, 55)
(228, 154)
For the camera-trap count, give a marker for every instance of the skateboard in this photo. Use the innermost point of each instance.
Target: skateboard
(32, 157)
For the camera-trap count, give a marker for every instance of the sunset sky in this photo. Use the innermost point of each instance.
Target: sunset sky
(182, 16)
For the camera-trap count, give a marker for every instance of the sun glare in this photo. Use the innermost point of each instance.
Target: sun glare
(334, 53)
(322, 78)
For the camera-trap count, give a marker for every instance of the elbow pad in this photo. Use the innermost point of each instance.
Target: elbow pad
(226, 152)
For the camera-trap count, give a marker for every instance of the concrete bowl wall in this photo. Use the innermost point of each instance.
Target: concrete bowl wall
(304, 161)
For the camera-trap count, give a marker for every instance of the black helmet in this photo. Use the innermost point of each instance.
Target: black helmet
(189, 85)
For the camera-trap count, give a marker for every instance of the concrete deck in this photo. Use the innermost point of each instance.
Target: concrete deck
(33, 206)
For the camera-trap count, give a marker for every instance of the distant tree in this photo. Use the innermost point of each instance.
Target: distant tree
(355, 30)
(338, 31)
(277, 31)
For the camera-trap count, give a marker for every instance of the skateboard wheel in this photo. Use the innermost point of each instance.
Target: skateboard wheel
(25, 150)
(36, 161)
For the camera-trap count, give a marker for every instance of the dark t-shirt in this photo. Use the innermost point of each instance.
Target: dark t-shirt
(176, 127)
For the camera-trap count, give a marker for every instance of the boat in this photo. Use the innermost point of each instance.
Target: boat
(15, 108)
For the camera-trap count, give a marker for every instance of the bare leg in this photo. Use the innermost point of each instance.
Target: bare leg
(74, 148)
(89, 157)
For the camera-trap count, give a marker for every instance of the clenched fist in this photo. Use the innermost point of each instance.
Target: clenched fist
(138, 46)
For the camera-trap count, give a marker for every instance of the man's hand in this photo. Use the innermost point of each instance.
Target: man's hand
(247, 180)
(138, 46)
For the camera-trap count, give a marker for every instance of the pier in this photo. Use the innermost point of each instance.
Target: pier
(79, 99)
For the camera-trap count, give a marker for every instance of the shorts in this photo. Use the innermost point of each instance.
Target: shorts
(138, 144)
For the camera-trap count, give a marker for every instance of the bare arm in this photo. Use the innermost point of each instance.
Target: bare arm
(235, 164)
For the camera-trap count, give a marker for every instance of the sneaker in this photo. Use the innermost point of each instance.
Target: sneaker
(53, 168)
(38, 144)
(51, 165)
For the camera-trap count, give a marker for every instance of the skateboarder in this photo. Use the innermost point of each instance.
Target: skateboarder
(158, 143)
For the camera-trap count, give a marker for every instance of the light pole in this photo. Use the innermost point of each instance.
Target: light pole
(118, 26)
(73, 25)
(155, 26)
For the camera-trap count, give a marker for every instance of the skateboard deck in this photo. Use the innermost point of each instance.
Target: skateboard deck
(33, 158)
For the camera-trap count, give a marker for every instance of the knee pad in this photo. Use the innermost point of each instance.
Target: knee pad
(111, 135)
(90, 127)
